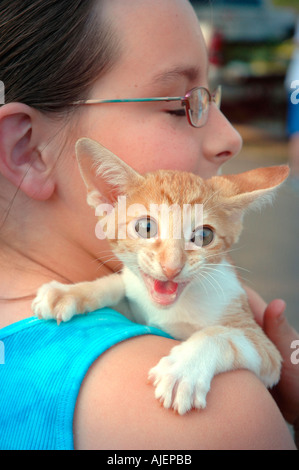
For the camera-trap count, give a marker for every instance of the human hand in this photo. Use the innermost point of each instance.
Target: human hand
(286, 339)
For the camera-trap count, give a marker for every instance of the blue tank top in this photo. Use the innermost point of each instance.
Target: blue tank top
(42, 367)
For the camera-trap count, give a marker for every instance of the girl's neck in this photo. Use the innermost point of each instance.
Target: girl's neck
(22, 274)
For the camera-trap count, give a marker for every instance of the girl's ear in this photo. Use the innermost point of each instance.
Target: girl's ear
(105, 175)
(21, 161)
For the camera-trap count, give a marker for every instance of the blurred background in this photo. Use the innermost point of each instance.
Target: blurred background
(251, 45)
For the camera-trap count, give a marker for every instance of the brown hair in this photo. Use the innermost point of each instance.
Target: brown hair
(51, 51)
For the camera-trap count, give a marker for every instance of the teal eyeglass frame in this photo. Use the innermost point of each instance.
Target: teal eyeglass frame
(200, 97)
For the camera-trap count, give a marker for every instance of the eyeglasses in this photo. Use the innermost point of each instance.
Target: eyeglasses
(196, 102)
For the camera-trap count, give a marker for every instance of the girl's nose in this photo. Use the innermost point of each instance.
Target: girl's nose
(221, 140)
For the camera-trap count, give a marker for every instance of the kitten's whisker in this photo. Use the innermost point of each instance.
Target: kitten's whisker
(215, 280)
(206, 279)
(228, 265)
(247, 281)
(212, 195)
(201, 282)
(220, 272)
(215, 207)
(107, 253)
(105, 262)
(211, 269)
(222, 253)
(108, 256)
(102, 254)
(241, 277)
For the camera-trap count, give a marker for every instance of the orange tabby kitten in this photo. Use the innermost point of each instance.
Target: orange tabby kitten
(184, 284)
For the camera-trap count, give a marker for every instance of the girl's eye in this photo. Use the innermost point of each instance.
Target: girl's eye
(146, 227)
(177, 112)
(202, 236)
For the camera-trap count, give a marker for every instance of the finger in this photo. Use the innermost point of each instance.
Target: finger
(256, 303)
(275, 309)
(277, 328)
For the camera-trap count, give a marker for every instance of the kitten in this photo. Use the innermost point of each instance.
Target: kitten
(185, 285)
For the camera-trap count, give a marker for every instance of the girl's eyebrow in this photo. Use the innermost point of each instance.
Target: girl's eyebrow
(191, 73)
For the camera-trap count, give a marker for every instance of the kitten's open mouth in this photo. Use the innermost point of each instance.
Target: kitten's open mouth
(164, 293)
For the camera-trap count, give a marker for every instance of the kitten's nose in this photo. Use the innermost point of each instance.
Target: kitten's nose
(171, 272)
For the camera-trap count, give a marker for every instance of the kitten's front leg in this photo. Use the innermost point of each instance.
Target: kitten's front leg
(182, 379)
(63, 301)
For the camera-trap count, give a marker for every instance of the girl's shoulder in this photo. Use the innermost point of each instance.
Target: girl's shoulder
(43, 367)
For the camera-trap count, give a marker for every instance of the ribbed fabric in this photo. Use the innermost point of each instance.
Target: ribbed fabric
(44, 366)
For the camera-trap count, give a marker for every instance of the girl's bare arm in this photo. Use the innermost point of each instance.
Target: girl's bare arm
(116, 408)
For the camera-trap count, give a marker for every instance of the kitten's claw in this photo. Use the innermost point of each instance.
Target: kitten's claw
(55, 301)
(177, 385)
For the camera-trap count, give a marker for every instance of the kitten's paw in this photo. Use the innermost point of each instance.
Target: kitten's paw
(178, 384)
(271, 368)
(55, 301)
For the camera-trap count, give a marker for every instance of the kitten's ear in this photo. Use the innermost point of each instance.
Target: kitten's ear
(255, 187)
(105, 175)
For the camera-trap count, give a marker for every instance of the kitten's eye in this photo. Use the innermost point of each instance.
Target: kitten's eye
(146, 227)
(202, 236)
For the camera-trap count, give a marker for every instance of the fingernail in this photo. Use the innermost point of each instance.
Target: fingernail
(280, 318)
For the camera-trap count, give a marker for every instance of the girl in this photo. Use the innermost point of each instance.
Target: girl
(82, 385)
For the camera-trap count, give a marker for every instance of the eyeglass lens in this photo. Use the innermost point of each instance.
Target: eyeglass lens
(199, 101)
(199, 104)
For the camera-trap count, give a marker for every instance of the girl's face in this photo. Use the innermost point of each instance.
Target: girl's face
(162, 53)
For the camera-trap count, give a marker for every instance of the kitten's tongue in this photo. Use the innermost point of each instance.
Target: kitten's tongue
(165, 287)
(164, 292)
